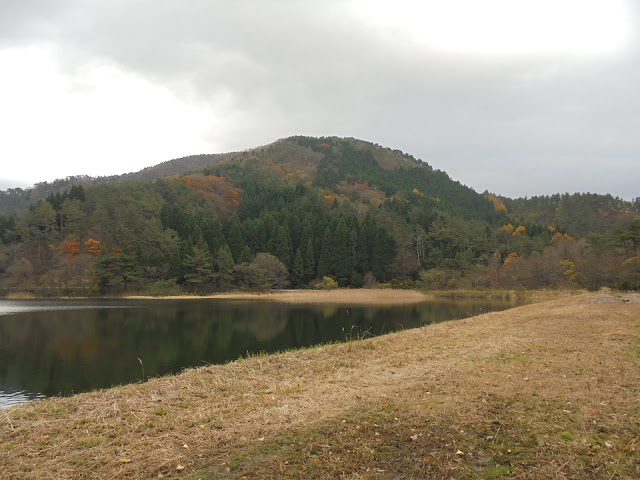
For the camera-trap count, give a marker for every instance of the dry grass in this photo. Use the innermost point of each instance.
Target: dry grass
(543, 391)
(361, 296)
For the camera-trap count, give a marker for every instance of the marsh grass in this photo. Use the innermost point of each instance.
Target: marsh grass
(543, 391)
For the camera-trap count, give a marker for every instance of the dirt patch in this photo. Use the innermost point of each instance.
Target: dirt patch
(632, 298)
(543, 391)
(604, 298)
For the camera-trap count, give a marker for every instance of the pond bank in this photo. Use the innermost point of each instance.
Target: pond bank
(548, 390)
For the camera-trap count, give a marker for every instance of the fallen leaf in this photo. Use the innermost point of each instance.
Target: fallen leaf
(459, 452)
(185, 446)
(125, 460)
(180, 468)
(414, 437)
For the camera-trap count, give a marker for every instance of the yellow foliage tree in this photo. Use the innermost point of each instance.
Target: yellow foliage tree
(569, 270)
(511, 258)
(497, 203)
(518, 231)
(94, 247)
(562, 236)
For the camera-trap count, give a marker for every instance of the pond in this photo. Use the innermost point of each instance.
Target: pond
(50, 348)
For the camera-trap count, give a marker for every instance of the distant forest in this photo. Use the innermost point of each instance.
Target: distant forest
(306, 213)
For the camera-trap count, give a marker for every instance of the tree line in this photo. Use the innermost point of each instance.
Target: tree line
(258, 221)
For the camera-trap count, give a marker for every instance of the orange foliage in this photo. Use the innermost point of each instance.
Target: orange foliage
(436, 199)
(329, 198)
(224, 196)
(562, 236)
(324, 145)
(508, 228)
(511, 258)
(552, 229)
(362, 191)
(518, 231)
(71, 248)
(94, 247)
(497, 203)
(418, 192)
(116, 252)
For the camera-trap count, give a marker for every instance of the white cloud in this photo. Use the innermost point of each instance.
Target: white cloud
(99, 121)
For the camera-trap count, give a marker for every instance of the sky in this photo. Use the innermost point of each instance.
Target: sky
(517, 97)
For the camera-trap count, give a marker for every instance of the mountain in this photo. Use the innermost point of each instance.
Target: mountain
(15, 198)
(301, 212)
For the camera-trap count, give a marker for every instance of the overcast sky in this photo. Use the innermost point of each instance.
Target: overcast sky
(518, 97)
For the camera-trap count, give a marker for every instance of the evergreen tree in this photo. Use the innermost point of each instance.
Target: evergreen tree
(283, 248)
(325, 262)
(198, 268)
(297, 276)
(340, 253)
(383, 253)
(224, 262)
(236, 242)
(245, 255)
(309, 262)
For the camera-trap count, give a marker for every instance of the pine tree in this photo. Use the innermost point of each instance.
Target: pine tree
(198, 268)
(225, 265)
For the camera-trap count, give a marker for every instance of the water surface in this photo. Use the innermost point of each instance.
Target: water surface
(50, 348)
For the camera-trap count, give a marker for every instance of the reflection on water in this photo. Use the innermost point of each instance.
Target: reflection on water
(65, 347)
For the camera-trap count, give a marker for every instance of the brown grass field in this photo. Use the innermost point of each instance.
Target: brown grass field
(544, 391)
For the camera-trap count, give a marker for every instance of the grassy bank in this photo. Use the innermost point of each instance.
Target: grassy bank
(549, 390)
(361, 296)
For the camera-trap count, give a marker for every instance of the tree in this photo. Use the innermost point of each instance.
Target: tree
(199, 268)
(225, 264)
(93, 246)
(236, 241)
(297, 276)
(283, 247)
(340, 253)
(325, 262)
(71, 248)
(383, 253)
(245, 255)
(274, 270)
(309, 262)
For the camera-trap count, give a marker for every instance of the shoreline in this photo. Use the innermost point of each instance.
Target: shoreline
(339, 296)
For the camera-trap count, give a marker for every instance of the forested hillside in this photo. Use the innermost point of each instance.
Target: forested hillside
(310, 212)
